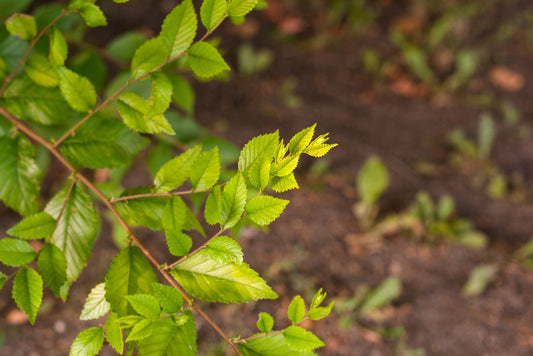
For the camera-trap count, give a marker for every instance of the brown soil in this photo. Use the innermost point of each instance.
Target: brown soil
(307, 247)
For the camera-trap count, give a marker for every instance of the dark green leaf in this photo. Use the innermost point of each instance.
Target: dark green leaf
(88, 342)
(205, 60)
(182, 94)
(170, 298)
(77, 227)
(173, 337)
(52, 267)
(123, 47)
(37, 226)
(3, 279)
(96, 306)
(8, 7)
(16, 253)
(91, 66)
(179, 29)
(208, 280)
(129, 273)
(28, 292)
(233, 201)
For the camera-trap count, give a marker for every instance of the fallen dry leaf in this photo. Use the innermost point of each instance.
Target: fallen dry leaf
(506, 78)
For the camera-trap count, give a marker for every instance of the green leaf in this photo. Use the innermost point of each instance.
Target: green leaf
(296, 311)
(205, 60)
(286, 166)
(265, 323)
(320, 312)
(300, 339)
(480, 278)
(161, 94)
(92, 15)
(213, 207)
(8, 7)
(173, 337)
(241, 7)
(19, 175)
(77, 227)
(176, 171)
(212, 12)
(3, 279)
(179, 29)
(258, 150)
(192, 223)
(206, 170)
(41, 71)
(129, 273)
(135, 113)
(259, 173)
(140, 330)
(28, 292)
(4, 69)
(264, 209)
(47, 104)
(206, 279)
(224, 250)
(182, 94)
(372, 180)
(16, 253)
(150, 55)
(113, 333)
(385, 293)
(233, 201)
(58, 47)
(88, 343)
(91, 66)
(269, 345)
(52, 267)
(283, 184)
(170, 298)
(318, 147)
(486, 134)
(143, 211)
(301, 140)
(145, 304)
(78, 91)
(173, 218)
(123, 47)
(96, 306)
(37, 226)
(22, 25)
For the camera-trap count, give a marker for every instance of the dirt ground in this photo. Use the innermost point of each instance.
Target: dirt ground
(309, 246)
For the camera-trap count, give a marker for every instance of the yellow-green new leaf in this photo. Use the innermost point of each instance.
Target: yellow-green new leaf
(265, 322)
(206, 279)
(150, 55)
(92, 15)
(179, 29)
(233, 201)
(283, 184)
(301, 140)
(264, 209)
(205, 60)
(88, 343)
(16, 253)
(223, 249)
(213, 207)
(169, 298)
(269, 345)
(301, 340)
(145, 304)
(96, 306)
(140, 330)
(241, 7)
(296, 311)
(372, 180)
(37, 226)
(77, 90)
(212, 12)
(58, 47)
(22, 25)
(113, 333)
(129, 273)
(28, 292)
(52, 267)
(41, 71)
(161, 94)
(173, 219)
(258, 150)
(174, 173)
(206, 170)
(134, 111)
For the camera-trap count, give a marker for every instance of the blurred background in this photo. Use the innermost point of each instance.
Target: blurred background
(418, 224)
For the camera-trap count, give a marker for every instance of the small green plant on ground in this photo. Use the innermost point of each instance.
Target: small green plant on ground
(49, 108)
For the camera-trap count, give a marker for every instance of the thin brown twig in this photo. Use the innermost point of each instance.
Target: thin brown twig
(10, 77)
(28, 132)
(152, 195)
